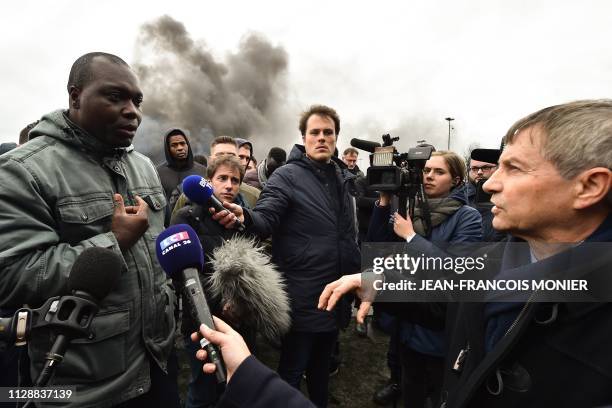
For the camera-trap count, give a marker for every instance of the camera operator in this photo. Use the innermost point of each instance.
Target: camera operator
(553, 186)
(421, 351)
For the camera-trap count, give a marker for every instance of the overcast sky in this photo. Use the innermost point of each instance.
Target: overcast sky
(399, 67)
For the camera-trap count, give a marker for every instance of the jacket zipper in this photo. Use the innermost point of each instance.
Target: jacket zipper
(463, 353)
(521, 313)
(512, 326)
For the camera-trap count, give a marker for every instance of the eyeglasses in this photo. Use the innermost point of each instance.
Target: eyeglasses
(483, 168)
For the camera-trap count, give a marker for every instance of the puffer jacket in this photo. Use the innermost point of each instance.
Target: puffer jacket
(56, 201)
(312, 244)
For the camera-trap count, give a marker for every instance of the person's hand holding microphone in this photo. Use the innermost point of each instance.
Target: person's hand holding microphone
(233, 348)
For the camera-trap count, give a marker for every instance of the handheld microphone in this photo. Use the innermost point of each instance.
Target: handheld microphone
(364, 145)
(180, 255)
(93, 275)
(199, 190)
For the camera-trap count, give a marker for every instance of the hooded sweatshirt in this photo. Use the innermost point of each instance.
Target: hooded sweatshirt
(173, 172)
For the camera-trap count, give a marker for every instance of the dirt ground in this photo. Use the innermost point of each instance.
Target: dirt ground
(363, 369)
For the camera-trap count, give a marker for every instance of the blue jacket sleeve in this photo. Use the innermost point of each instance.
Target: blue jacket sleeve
(469, 226)
(254, 385)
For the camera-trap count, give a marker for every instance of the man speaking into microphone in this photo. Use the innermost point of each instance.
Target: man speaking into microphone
(78, 183)
(307, 209)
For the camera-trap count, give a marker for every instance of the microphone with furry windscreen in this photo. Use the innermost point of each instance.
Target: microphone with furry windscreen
(245, 279)
(181, 256)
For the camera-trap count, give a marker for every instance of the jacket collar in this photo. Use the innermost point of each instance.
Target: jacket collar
(58, 126)
(298, 156)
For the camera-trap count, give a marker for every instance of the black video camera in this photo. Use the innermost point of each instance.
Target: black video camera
(397, 173)
(391, 171)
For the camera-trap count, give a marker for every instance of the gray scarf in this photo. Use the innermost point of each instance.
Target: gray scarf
(439, 208)
(261, 173)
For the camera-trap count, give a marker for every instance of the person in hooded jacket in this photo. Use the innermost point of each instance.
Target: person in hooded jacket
(178, 165)
(78, 183)
(421, 350)
(245, 152)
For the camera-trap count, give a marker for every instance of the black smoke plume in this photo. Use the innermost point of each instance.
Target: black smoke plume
(186, 86)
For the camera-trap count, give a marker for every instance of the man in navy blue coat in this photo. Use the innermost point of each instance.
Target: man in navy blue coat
(307, 208)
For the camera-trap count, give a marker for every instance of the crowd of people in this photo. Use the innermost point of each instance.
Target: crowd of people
(76, 182)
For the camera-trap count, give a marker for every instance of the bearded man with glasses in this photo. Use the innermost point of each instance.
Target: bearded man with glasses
(479, 171)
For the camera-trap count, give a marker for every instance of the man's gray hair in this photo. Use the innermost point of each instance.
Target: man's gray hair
(575, 136)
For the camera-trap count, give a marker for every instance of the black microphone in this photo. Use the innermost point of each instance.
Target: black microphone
(364, 145)
(180, 255)
(199, 190)
(93, 275)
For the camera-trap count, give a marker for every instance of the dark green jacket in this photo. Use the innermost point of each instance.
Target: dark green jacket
(56, 200)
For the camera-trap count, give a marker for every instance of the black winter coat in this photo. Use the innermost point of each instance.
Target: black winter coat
(312, 244)
(256, 386)
(489, 234)
(553, 355)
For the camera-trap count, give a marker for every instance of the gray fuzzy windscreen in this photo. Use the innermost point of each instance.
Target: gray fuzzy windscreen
(245, 277)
